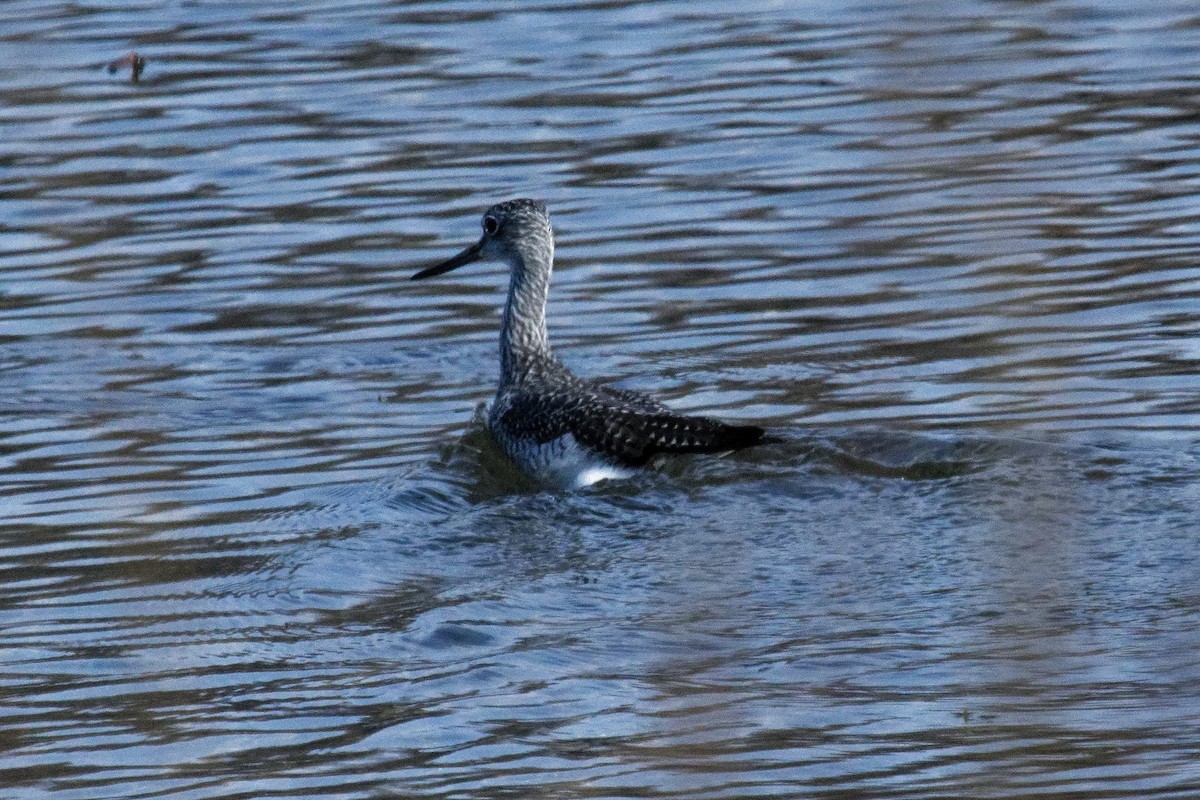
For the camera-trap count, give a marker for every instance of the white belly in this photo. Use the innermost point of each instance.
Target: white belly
(563, 463)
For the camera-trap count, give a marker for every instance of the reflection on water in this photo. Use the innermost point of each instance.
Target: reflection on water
(255, 541)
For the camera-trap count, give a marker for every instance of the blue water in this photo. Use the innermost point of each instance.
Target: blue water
(256, 542)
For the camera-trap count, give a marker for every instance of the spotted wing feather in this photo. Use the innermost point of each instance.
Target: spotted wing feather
(627, 427)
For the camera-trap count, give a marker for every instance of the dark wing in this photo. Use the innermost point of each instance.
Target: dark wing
(625, 426)
(629, 398)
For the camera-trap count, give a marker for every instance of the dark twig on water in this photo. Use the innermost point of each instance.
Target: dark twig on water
(132, 60)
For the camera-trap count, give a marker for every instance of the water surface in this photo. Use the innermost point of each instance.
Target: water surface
(255, 541)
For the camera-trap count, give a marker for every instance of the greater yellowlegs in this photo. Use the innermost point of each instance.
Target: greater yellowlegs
(560, 429)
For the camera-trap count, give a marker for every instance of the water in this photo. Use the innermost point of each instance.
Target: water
(255, 541)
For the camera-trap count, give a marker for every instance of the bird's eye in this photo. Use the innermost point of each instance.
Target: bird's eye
(490, 225)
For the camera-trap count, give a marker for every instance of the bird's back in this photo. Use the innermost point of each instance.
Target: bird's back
(554, 423)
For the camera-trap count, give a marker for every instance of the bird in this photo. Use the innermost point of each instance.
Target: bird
(562, 430)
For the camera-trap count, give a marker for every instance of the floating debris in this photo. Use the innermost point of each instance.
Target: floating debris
(132, 60)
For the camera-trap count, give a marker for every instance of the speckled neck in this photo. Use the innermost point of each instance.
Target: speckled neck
(523, 341)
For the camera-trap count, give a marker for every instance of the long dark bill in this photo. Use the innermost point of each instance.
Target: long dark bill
(472, 253)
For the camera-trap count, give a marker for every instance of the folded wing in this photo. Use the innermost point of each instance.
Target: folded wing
(627, 427)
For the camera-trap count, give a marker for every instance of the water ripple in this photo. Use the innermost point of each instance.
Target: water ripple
(255, 539)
